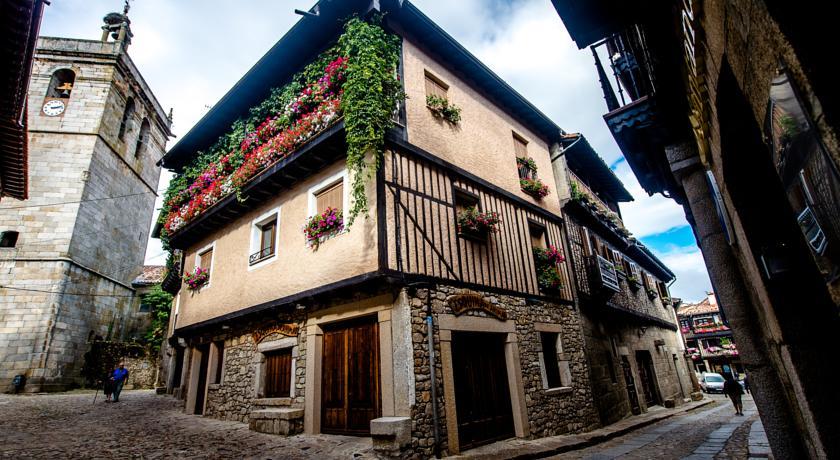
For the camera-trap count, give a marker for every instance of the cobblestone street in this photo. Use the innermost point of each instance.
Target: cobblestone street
(144, 425)
(712, 432)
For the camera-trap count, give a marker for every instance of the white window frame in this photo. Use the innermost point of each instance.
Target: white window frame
(212, 261)
(256, 232)
(326, 183)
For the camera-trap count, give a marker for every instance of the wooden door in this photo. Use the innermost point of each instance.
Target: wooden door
(630, 382)
(482, 394)
(201, 390)
(278, 373)
(350, 396)
(648, 377)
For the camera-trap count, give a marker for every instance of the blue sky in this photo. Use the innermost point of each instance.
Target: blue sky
(192, 51)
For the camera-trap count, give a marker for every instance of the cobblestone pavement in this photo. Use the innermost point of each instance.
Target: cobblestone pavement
(144, 425)
(707, 433)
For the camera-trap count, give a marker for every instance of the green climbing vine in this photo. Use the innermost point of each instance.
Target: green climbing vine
(356, 79)
(371, 93)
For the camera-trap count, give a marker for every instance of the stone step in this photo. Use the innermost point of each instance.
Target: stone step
(285, 421)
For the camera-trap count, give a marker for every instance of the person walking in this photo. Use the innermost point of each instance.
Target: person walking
(733, 389)
(118, 378)
(747, 383)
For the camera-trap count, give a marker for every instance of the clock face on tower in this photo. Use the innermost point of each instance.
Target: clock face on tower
(53, 107)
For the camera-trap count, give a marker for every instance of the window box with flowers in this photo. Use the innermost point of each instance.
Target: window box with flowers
(527, 167)
(534, 187)
(196, 279)
(443, 109)
(322, 227)
(634, 282)
(477, 225)
(547, 263)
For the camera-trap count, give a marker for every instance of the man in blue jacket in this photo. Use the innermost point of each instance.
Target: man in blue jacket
(118, 377)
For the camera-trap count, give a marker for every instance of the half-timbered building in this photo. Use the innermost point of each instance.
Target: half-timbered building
(635, 354)
(443, 319)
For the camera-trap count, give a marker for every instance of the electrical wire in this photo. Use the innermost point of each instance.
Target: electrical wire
(81, 201)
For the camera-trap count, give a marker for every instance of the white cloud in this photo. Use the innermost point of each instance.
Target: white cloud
(688, 265)
(192, 52)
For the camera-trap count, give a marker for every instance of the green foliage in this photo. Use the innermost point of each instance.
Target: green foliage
(441, 108)
(160, 303)
(371, 94)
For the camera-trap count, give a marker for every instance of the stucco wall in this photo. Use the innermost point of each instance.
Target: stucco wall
(482, 143)
(297, 268)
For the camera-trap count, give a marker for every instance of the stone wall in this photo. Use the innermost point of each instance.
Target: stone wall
(142, 372)
(608, 340)
(568, 412)
(234, 397)
(85, 226)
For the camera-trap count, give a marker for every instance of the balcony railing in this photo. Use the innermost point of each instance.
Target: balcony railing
(630, 64)
(582, 190)
(261, 255)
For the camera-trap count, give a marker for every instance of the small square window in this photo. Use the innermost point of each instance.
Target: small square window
(8, 239)
(145, 308)
(205, 261)
(435, 86)
(538, 237)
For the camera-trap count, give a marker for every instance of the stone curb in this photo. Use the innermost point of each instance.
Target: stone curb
(554, 445)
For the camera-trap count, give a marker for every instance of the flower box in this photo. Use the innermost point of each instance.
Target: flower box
(443, 109)
(322, 227)
(477, 225)
(534, 187)
(547, 263)
(196, 279)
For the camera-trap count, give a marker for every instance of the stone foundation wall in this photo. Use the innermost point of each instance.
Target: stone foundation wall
(142, 372)
(568, 412)
(233, 398)
(673, 381)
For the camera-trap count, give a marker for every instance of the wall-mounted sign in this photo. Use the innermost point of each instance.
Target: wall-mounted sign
(462, 303)
(289, 330)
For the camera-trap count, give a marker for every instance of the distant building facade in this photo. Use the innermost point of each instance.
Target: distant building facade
(70, 251)
(708, 338)
(636, 357)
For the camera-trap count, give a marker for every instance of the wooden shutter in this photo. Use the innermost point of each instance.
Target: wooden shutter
(330, 197)
(206, 260)
(587, 244)
(278, 373)
(435, 87)
(520, 146)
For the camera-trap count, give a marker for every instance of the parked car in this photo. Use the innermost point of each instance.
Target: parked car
(711, 383)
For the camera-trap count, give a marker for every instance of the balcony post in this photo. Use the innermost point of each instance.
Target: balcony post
(609, 95)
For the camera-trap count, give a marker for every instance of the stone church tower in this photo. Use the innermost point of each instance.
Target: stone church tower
(69, 252)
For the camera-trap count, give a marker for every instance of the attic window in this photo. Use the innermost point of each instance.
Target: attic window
(520, 146)
(435, 86)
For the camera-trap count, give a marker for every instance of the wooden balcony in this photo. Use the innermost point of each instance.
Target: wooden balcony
(604, 275)
(422, 241)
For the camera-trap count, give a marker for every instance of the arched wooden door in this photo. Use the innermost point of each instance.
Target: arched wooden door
(350, 389)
